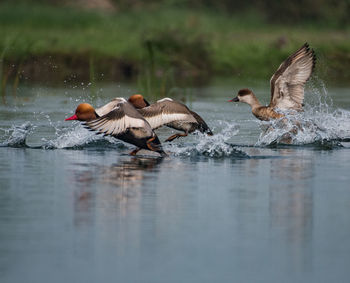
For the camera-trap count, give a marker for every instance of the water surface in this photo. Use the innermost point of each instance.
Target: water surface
(240, 206)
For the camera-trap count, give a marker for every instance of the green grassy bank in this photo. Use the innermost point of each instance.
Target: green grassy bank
(52, 43)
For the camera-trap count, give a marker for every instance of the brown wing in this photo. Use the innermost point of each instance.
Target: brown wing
(123, 117)
(287, 84)
(105, 109)
(166, 111)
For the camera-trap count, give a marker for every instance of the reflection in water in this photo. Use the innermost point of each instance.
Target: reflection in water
(291, 204)
(279, 190)
(110, 185)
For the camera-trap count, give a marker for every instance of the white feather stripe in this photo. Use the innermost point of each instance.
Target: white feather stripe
(115, 127)
(105, 109)
(110, 129)
(98, 126)
(165, 118)
(105, 128)
(134, 122)
(164, 99)
(98, 122)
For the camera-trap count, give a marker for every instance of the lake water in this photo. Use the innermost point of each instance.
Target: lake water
(240, 206)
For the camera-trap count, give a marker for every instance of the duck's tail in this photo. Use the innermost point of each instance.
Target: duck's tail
(202, 126)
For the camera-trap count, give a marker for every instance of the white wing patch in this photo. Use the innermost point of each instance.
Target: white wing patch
(122, 99)
(116, 127)
(165, 118)
(165, 99)
(105, 109)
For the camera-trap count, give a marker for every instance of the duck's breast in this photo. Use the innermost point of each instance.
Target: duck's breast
(183, 126)
(265, 113)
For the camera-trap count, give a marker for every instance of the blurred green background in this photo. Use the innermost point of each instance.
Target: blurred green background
(168, 42)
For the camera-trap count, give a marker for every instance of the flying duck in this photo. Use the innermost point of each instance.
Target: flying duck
(171, 113)
(287, 86)
(121, 120)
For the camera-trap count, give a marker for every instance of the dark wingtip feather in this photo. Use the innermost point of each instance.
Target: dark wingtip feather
(314, 59)
(311, 52)
(86, 126)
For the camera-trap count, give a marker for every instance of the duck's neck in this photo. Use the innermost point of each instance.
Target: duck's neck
(253, 102)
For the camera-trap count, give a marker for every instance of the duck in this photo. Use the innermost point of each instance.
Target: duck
(170, 113)
(119, 119)
(287, 86)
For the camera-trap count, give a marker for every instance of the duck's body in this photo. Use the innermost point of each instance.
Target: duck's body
(121, 120)
(170, 113)
(287, 86)
(265, 113)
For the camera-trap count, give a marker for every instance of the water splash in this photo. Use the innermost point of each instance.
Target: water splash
(215, 146)
(319, 124)
(297, 131)
(73, 137)
(16, 135)
(68, 138)
(78, 138)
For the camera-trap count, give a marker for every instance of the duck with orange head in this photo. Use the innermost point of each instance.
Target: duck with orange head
(121, 120)
(170, 113)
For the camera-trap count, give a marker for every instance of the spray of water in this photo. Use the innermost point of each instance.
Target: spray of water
(320, 123)
(16, 135)
(211, 146)
(78, 137)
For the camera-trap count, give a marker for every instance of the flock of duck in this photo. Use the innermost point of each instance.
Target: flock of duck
(134, 120)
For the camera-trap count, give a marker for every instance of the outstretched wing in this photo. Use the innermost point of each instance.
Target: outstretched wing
(123, 117)
(287, 84)
(105, 109)
(165, 111)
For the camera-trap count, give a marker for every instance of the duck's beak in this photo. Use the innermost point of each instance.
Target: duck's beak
(74, 117)
(235, 99)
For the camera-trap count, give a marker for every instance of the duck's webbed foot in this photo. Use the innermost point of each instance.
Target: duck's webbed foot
(175, 136)
(155, 147)
(135, 151)
(151, 145)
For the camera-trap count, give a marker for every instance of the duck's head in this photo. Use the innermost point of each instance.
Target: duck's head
(138, 101)
(84, 112)
(244, 95)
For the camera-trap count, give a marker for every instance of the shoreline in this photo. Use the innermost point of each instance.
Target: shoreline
(54, 44)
